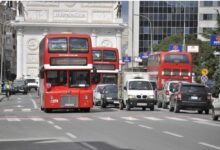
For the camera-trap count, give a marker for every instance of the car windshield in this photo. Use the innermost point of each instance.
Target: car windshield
(31, 80)
(112, 89)
(193, 89)
(139, 85)
(18, 82)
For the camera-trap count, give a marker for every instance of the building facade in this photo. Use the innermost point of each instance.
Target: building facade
(35, 19)
(152, 21)
(7, 40)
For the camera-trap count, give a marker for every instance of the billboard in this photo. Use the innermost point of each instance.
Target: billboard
(175, 48)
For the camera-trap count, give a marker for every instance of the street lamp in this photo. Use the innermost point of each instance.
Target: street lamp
(151, 33)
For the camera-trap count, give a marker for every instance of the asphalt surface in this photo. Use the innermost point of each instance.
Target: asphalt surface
(23, 126)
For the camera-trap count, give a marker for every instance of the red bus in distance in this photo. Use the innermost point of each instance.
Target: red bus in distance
(65, 69)
(106, 61)
(164, 66)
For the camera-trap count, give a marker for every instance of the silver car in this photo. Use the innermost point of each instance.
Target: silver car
(216, 107)
(163, 96)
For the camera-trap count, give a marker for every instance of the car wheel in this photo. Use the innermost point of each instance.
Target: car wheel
(143, 108)
(171, 108)
(159, 104)
(200, 111)
(176, 108)
(164, 105)
(206, 111)
(152, 108)
(103, 104)
(214, 117)
(121, 105)
(128, 107)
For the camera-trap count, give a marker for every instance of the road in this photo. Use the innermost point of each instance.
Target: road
(24, 127)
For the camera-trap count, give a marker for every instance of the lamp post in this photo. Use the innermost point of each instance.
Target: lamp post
(151, 33)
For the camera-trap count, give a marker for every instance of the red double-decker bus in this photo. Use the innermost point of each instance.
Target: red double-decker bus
(65, 69)
(166, 66)
(106, 61)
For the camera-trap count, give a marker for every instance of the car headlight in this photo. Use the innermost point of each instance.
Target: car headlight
(151, 96)
(131, 96)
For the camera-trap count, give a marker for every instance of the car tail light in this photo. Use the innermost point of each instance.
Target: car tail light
(179, 96)
(167, 92)
(49, 86)
(209, 96)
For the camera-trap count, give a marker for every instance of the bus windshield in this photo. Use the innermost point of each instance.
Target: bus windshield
(57, 45)
(109, 56)
(56, 77)
(79, 78)
(109, 78)
(176, 58)
(78, 45)
(96, 55)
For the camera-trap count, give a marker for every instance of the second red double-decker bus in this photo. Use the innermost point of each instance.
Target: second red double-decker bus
(65, 69)
(166, 66)
(106, 61)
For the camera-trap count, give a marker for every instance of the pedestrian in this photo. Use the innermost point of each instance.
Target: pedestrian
(7, 89)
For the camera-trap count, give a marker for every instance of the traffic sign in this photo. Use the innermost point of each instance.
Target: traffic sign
(204, 79)
(204, 71)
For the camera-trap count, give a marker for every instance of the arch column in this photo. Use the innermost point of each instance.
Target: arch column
(118, 44)
(94, 38)
(19, 53)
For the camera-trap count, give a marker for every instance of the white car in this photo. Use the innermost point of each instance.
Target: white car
(216, 107)
(97, 94)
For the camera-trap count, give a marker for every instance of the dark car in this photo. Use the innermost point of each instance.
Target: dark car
(109, 95)
(19, 86)
(190, 96)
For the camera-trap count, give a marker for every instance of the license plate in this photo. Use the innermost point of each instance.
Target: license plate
(141, 104)
(194, 97)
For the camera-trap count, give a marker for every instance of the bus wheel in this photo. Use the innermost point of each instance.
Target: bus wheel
(86, 109)
(121, 105)
(47, 110)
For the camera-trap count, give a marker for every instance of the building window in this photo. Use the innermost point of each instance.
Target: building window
(207, 16)
(208, 3)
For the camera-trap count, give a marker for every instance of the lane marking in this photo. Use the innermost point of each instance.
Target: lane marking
(60, 119)
(106, 118)
(13, 119)
(209, 145)
(199, 119)
(71, 135)
(26, 109)
(144, 126)
(19, 98)
(129, 122)
(50, 122)
(37, 119)
(89, 146)
(176, 119)
(173, 134)
(8, 110)
(130, 118)
(84, 119)
(33, 101)
(58, 127)
(153, 118)
(19, 106)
